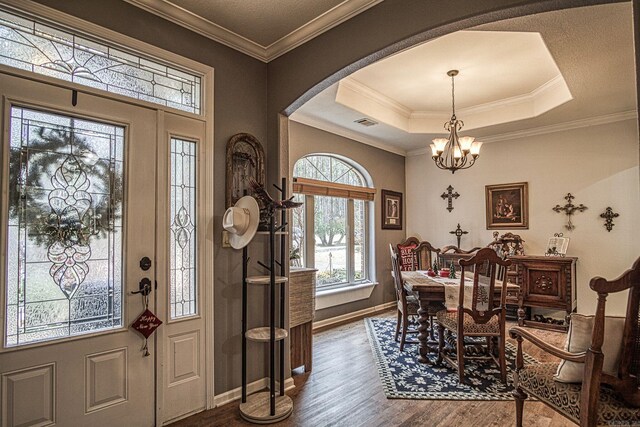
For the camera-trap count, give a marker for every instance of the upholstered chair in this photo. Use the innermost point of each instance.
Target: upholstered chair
(598, 384)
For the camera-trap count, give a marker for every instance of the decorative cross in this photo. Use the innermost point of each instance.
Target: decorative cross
(608, 215)
(458, 232)
(450, 195)
(569, 210)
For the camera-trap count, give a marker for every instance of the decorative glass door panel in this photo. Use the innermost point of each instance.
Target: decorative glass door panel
(29, 45)
(183, 242)
(64, 226)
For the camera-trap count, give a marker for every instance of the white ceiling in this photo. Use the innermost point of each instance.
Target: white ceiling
(264, 29)
(590, 48)
(493, 65)
(503, 76)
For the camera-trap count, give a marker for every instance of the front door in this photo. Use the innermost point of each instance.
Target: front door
(78, 214)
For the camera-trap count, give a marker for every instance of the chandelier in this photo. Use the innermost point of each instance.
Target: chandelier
(455, 152)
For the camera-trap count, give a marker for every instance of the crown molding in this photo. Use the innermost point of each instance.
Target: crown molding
(560, 127)
(360, 97)
(543, 130)
(308, 120)
(322, 23)
(331, 18)
(553, 86)
(204, 27)
(374, 96)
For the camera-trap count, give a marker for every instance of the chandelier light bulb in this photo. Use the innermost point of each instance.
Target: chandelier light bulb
(440, 144)
(475, 148)
(465, 143)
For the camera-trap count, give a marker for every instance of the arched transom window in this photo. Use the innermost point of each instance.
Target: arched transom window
(331, 230)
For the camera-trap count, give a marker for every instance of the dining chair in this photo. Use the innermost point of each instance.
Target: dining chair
(603, 393)
(477, 315)
(426, 255)
(406, 254)
(407, 304)
(508, 244)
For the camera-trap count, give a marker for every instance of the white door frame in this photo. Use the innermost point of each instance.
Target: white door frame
(81, 26)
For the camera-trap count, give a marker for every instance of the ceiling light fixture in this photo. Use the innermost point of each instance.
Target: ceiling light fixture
(455, 152)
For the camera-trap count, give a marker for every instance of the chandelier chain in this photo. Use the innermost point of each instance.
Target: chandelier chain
(453, 96)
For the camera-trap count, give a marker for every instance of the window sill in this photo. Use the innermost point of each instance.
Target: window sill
(343, 295)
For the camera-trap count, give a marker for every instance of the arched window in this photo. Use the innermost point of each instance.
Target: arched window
(330, 231)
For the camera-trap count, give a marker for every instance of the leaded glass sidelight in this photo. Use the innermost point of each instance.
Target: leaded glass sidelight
(64, 237)
(182, 247)
(43, 49)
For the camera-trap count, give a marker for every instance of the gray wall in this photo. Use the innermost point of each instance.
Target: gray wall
(240, 106)
(387, 172)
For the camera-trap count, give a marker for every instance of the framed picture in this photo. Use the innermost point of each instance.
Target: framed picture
(391, 210)
(507, 205)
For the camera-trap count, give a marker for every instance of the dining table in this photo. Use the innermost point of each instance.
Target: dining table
(430, 293)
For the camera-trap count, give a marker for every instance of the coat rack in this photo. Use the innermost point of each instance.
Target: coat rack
(269, 406)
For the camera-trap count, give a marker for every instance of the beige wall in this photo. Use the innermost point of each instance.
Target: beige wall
(387, 172)
(598, 165)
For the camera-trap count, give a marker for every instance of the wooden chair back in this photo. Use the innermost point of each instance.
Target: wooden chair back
(406, 254)
(456, 250)
(483, 291)
(452, 253)
(506, 245)
(626, 383)
(397, 278)
(426, 254)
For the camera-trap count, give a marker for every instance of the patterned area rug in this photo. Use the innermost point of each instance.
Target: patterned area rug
(403, 377)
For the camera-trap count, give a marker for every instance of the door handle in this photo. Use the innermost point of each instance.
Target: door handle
(145, 287)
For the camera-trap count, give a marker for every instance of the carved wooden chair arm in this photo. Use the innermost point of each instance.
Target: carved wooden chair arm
(518, 332)
(457, 250)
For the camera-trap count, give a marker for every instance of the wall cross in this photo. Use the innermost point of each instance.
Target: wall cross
(458, 232)
(450, 195)
(569, 209)
(608, 216)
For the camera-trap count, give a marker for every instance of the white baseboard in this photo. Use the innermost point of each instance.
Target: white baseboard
(353, 315)
(236, 393)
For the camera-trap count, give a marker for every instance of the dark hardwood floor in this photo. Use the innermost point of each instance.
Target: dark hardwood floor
(344, 390)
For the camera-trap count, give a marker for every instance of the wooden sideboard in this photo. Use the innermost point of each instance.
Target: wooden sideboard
(545, 282)
(302, 307)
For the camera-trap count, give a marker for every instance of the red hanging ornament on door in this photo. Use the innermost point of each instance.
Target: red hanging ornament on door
(146, 324)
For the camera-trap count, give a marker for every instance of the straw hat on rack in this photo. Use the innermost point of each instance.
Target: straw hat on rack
(241, 221)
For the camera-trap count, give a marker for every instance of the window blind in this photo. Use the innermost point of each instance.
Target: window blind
(323, 188)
